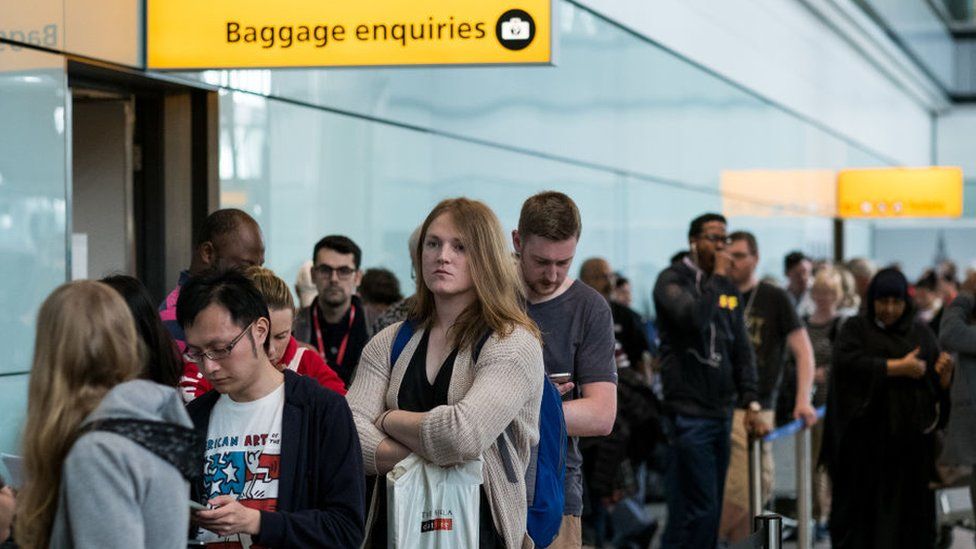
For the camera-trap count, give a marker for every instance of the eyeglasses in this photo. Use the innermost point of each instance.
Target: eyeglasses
(326, 271)
(716, 238)
(216, 354)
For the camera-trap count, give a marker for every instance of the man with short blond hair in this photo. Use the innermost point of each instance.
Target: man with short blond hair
(577, 330)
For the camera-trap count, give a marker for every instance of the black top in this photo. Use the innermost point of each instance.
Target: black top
(417, 394)
(770, 318)
(628, 329)
(707, 362)
(333, 334)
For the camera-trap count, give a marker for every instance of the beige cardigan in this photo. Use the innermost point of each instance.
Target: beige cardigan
(504, 389)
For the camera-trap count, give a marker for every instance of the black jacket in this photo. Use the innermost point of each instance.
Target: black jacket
(320, 486)
(706, 356)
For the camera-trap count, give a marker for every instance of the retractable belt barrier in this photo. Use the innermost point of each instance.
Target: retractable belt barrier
(803, 479)
(791, 428)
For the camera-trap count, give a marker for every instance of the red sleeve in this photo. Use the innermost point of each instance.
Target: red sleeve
(193, 384)
(314, 366)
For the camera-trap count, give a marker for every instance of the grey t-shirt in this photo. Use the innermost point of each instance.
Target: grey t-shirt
(577, 334)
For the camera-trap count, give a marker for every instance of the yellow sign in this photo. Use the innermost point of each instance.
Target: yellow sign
(778, 193)
(900, 192)
(190, 34)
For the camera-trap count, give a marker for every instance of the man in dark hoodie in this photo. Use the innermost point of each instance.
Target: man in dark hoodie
(707, 367)
(282, 465)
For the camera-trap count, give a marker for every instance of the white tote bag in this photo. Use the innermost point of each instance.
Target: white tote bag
(431, 507)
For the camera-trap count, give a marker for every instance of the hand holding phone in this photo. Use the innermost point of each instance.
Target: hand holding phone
(563, 382)
(561, 378)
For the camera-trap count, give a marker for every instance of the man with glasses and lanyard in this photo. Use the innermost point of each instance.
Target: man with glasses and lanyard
(335, 324)
(708, 369)
(281, 465)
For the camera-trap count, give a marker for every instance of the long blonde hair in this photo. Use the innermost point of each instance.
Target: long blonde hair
(499, 306)
(86, 343)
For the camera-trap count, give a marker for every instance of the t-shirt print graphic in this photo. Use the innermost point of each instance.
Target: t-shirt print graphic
(252, 477)
(243, 459)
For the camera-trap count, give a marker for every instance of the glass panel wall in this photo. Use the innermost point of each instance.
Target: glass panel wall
(638, 136)
(33, 193)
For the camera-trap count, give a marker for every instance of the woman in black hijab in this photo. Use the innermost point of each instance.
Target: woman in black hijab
(883, 405)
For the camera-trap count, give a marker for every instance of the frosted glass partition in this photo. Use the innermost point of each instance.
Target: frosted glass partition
(304, 173)
(318, 182)
(33, 86)
(614, 100)
(13, 408)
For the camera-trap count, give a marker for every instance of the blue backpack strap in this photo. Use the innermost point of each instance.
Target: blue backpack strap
(403, 335)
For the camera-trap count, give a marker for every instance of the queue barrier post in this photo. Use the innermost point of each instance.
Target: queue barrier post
(770, 526)
(755, 478)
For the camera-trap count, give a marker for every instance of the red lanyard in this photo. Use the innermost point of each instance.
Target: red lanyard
(345, 338)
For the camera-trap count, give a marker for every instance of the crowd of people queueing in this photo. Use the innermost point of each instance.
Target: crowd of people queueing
(230, 417)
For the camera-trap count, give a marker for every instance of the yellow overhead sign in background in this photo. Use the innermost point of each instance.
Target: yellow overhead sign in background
(778, 193)
(194, 34)
(900, 192)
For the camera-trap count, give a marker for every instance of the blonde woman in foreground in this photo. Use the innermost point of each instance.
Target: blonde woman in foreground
(103, 452)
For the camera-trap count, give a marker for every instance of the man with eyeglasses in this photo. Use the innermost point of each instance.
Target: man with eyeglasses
(335, 324)
(776, 332)
(229, 239)
(282, 466)
(708, 369)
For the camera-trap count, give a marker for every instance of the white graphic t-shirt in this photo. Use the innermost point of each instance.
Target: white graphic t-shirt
(243, 457)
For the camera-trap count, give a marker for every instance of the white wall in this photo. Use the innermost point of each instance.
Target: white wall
(956, 140)
(790, 55)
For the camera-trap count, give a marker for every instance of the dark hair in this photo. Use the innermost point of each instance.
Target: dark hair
(340, 244)
(162, 362)
(229, 289)
(679, 256)
(380, 286)
(749, 238)
(221, 223)
(551, 215)
(698, 223)
(621, 280)
(793, 259)
(929, 281)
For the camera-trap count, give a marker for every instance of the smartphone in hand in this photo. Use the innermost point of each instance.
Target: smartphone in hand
(561, 378)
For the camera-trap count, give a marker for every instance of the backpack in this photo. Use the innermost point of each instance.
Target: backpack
(547, 465)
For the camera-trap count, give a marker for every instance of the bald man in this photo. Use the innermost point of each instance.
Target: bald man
(229, 239)
(628, 327)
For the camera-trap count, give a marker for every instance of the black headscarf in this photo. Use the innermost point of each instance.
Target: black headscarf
(891, 283)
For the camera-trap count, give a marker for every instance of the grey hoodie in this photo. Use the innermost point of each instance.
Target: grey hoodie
(116, 493)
